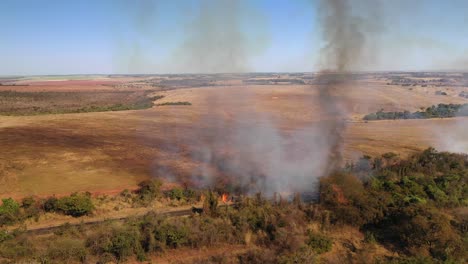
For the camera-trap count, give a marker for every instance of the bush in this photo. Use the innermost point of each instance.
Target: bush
(5, 235)
(149, 190)
(118, 242)
(17, 248)
(319, 243)
(210, 205)
(50, 204)
(27, 202)
(9, 211)
(75, 205)
(66, 250)
(176, 194)
(172, 235)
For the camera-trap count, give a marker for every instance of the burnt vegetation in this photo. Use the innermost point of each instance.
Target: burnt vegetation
(411, 206)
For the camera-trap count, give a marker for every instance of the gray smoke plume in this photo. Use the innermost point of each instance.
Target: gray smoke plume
(250, 150)
(349, 29)
(216, 40)
(133, 51)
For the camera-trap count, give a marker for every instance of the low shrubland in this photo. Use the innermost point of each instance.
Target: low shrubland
(408, 208)
(13, 212)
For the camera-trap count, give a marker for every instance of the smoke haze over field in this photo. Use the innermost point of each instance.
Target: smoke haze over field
(265, 157)
(217, 37)
(149, 36)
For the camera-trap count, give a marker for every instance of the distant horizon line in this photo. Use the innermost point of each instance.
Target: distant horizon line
(239, 73)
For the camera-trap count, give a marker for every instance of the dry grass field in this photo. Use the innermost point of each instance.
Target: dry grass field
(111, 151)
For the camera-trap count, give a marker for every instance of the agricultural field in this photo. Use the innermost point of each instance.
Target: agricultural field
(61, 153)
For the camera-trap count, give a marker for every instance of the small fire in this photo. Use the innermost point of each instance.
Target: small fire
(224, 197)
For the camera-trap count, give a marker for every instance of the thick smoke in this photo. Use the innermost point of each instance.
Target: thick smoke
(451, 133)
(267, 158)
(249, 150)
(349, 30)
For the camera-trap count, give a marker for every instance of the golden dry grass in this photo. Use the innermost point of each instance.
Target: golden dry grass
(100, 152)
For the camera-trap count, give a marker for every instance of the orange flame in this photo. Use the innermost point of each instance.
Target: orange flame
(224, 197)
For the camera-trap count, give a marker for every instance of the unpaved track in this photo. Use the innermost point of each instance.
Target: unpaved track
(55, 227)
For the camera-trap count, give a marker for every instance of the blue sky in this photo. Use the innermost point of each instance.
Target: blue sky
(110, 36)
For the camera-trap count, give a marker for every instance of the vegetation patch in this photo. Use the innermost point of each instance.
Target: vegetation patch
(439, 111)
(38, 103)
(13, 212)
(174, 103)
(409, 205)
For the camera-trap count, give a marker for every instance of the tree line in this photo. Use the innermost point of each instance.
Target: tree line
(435, 111)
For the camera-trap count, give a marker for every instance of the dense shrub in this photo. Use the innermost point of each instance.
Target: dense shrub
(401, 202)
(50, 204)
(9, 211)
(149, 190)
(176, 194)
(65, 250)
(210, 204)
(118, 242)
(319, 243)
(75, 205)
(17, 249)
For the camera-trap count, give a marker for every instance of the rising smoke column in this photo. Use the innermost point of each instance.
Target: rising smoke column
(267, 158)
(348, 34)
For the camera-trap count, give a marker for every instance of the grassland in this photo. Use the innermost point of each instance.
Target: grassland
(111, 151)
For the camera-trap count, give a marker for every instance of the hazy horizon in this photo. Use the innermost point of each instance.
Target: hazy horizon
(201, 36)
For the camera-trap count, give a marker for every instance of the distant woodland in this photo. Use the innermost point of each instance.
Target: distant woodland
(435, 111)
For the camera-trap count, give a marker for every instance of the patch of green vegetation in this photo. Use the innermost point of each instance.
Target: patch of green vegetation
(40, 103)
(174, 103)
(319, 243)
(9, 211)
(407, 204)
(75, 205)
(439, 111)
(12, 212)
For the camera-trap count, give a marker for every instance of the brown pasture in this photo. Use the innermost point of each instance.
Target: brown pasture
(99, 152)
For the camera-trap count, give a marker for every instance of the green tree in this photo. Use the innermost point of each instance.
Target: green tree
(75, 205)
(9, 211)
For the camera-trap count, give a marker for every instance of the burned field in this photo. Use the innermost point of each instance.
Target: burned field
(16, 103)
